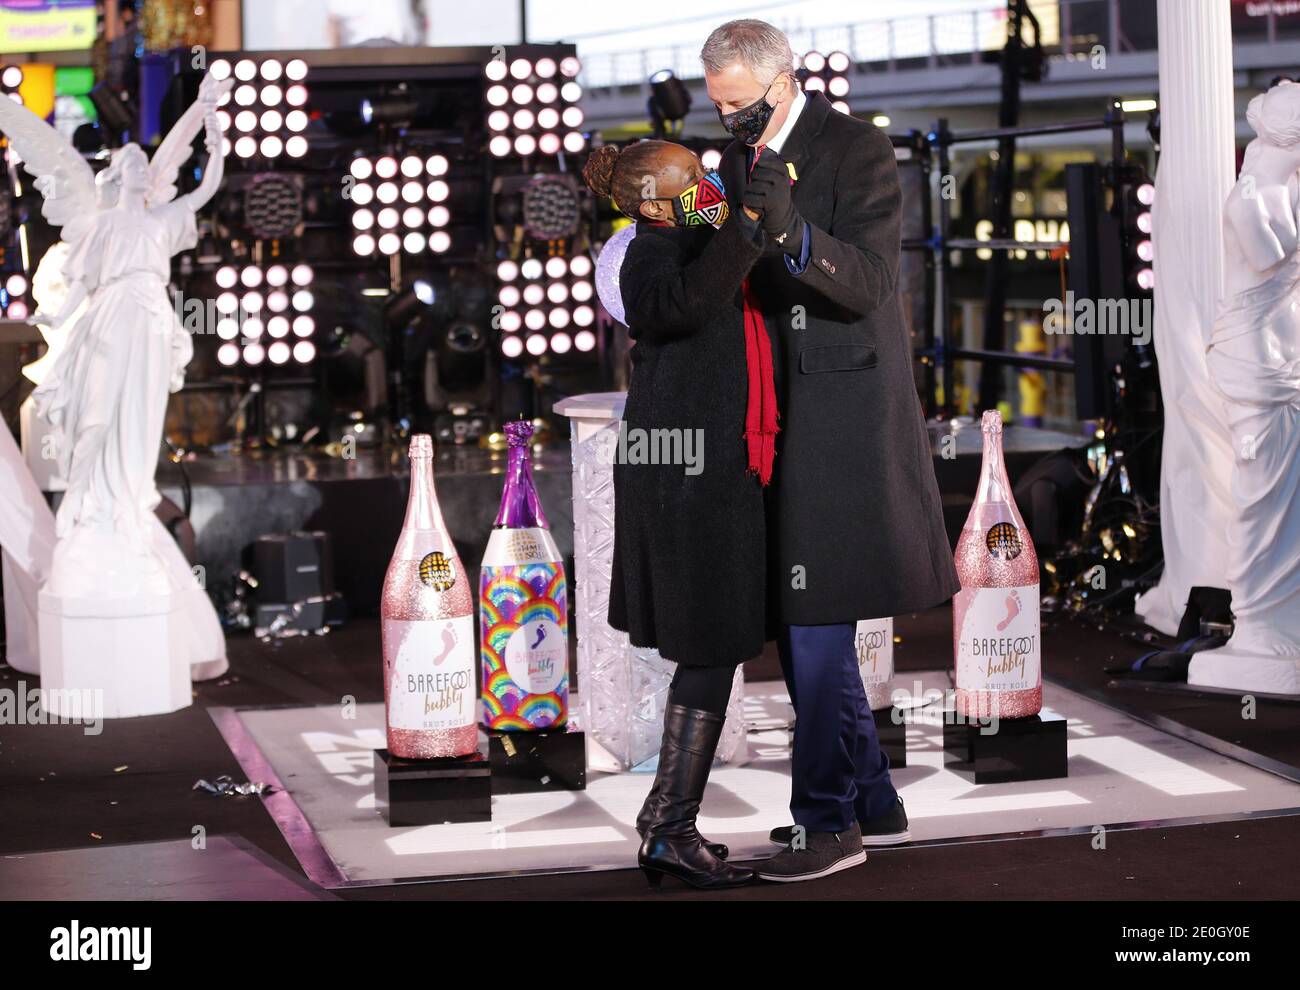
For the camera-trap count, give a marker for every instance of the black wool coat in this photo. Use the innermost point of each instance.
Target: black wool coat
(689, 541)
(855, 527)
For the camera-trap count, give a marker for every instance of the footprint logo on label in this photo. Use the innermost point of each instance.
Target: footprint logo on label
(448, 644)
(1013, 609)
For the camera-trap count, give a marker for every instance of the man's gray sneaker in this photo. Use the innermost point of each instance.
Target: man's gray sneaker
(819, 855)
(889, 828)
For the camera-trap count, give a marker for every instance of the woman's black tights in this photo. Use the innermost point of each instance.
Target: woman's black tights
(702, 688)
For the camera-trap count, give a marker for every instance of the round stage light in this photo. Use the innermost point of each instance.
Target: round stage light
(279, 352)
(1145, 251)
(507, 271)
(363, 219)
(271, 146)
(555, 267)
(246, 96)
(545, 68)
(272, 120)
(296, 146)
(508, 296)
(437, 190)
(386, 167)
(557, 292)
(525, 144)
(559, 318)
(296, 121)
(439, 241)
(303, 326)
(251, 277)
(573, 142)
(436, 165)
(361, 168)
(572, 117)
(534, 319)
(584, 316)
(1144, 222)
(837, 62)
(223, 118)
(227, 302)
(523, 93)
(272, 69)
(580, 265)
(551, 206)
(277, 275)
(273, 205)
(227, 329)
(570, 92)
(548, 118)
(303, 300)
(387, 192)
(412, 166)
(16, 285)
(412, 192)
(363, 245)
(226, 147)
(534, 294)
(512, 346)
(227, 277)
(362, 194)
(277, 301)
(570, 66)
(524, 119)
(561, 343)
(439, 216)
(413, 217)
(277, 327)
(536, 345)
(495, 69)
(814, 84)
(220, 70)
(521, 68)
(499, 146)
(413, 243)
(272, 96)
(548, 93)
(511, 321)
(18, 310)
(245, 69)
(498, 120)
(228, 354)
(531, 268)
(304, 352)
(838, 86)
(814, 61)
(252, 302)
(296, 96)
(246, 146)
(254, 353)
(549, 143)
(389, 218)
(581, 291)
(252, 328)
(296, 69)
(1146, 194)
(584, 340)
(498, 96)
(302, 275)
(840, 106)
(245, 120)
(390, 243)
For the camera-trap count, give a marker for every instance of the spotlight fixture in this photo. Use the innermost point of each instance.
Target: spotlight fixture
(396, 107)
(269, 107)
(532, 106)
(400, 205)
(827, 74)
(403, 308)
(669, 103)
(551, 206)
(273, 205)
(546, 306)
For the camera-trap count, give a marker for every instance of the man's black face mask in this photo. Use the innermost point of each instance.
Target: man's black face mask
(747, 124)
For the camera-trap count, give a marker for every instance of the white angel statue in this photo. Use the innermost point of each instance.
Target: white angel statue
(107, 391)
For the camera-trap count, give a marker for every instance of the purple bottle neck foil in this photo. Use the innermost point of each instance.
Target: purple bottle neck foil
(520, 506)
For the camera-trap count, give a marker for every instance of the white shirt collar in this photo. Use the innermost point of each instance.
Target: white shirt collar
(796, 108)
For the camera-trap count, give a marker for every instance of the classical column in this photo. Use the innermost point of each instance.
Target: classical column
(1196, 173)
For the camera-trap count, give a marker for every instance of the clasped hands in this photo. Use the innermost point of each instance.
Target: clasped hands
(767, 200)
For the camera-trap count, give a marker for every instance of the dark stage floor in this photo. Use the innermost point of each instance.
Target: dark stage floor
(61, 789)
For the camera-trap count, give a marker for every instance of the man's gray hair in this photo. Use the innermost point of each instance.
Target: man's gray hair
(757, 45)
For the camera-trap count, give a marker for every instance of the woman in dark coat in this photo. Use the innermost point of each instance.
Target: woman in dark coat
(689, 565)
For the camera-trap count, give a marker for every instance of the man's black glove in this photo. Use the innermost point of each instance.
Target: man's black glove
(768, 194)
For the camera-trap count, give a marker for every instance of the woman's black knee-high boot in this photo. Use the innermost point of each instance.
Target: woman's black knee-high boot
(671, 843)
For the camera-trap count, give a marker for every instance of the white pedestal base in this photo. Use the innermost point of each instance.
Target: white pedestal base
(1244, 672)
(129, 653)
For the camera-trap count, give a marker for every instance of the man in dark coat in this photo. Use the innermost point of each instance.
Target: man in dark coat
(855, 529)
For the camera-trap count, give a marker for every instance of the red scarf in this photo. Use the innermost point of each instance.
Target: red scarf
(760, 404)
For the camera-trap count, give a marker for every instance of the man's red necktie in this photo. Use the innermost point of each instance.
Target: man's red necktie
(760, 404)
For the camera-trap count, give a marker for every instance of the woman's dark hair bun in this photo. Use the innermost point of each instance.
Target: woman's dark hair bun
(598, 173)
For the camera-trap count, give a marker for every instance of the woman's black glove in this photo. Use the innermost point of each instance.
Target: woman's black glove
(768, 194)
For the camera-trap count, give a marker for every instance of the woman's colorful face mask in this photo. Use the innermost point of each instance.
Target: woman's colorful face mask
(703, 203)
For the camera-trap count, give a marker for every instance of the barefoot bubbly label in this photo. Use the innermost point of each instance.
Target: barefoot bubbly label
(433, 679)
(874, 643)
(999, 648)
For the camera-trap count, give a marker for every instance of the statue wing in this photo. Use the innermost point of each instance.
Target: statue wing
(177, 147)
(63, 177)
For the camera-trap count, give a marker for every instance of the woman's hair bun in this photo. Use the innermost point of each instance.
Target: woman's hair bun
(598, 173)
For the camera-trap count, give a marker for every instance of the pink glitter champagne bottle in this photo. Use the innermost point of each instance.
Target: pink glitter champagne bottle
(427, 616)
(996, 641)
(523, 607)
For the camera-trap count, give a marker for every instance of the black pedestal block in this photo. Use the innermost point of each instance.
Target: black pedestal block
(433, 792)
(526, 762)
(892, 731)
(1030, 748)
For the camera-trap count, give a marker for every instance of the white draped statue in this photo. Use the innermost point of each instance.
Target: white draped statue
(1253, 359)
(123, 351)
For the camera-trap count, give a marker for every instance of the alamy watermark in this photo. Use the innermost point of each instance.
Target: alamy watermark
(53, 706)
(655, 446)
(1085, 315)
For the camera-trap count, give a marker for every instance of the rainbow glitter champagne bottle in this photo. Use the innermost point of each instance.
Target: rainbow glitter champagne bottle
(523, 607)
(428, 630)
(996, 641)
